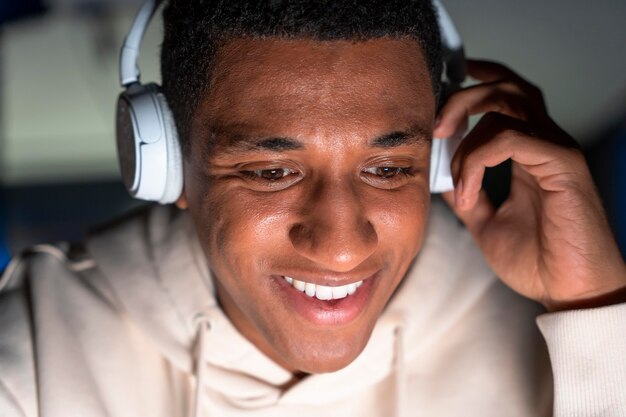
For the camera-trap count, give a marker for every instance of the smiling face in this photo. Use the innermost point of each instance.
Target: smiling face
(308, 163)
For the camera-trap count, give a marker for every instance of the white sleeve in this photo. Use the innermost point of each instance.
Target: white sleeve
(588, 355)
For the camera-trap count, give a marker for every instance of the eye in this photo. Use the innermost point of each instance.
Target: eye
(386, 177)
(271, 179)
(273, 174)
(385, 172)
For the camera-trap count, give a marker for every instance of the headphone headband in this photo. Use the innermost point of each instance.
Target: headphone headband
(129, 55)
(453, 51)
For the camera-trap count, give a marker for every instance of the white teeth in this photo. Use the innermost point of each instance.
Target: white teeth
(309, 289)
(351, 288)
(298, 285)
(340, 292)
(323, 292)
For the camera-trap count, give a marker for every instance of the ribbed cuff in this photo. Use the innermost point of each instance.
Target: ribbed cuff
(588, 354)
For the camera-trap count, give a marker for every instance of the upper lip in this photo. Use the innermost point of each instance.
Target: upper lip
(330, 279)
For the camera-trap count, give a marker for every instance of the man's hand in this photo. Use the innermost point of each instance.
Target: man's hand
(550, 240)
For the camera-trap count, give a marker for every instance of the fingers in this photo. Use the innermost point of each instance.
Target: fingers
(498, 137)
(489, 71)
(503, 91)
(516, 126)
(502, 96)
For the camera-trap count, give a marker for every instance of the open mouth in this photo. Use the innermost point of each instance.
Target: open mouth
(327, 305)
(323, 292)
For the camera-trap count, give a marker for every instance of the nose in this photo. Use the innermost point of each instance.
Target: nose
(334, 231)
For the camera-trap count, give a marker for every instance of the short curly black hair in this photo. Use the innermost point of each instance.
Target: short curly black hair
(195, 29)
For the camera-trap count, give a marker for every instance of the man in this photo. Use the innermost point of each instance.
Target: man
(306, 270)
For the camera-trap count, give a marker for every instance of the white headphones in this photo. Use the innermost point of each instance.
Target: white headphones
(148, 149)
(147, 142)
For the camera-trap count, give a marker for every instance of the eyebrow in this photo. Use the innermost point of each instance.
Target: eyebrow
(414, 135)
(241, 143)
(279, 144)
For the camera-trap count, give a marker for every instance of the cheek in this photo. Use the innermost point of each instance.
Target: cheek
(399, 219)
(242, 228)
(243, 237)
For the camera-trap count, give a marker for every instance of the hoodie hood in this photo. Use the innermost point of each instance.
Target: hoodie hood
(164, 285)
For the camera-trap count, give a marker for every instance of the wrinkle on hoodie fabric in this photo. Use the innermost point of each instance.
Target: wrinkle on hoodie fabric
(151, 282)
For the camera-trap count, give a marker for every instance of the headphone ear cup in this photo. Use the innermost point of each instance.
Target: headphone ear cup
(147, 143)
(174, 178)
(128, 153)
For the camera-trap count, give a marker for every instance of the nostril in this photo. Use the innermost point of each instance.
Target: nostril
(300, 235)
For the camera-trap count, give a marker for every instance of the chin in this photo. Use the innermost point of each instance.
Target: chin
(324, 364)
(325, 354)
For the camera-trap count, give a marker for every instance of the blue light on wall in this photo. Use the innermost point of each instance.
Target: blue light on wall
(4, 255)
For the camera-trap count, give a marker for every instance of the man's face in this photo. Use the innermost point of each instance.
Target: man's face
(310, 160)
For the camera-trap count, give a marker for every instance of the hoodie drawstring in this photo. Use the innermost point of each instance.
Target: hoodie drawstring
(202, 325)
(399, 373)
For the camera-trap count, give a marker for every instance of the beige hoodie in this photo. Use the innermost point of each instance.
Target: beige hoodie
(127, 327)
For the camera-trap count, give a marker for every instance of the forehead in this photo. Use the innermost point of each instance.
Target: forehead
(305, 84)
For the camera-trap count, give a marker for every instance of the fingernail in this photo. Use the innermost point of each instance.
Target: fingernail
(458, 193)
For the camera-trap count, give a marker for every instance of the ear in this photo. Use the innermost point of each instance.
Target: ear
(181, 203)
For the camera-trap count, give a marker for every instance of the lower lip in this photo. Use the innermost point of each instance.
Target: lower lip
(327, 312)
